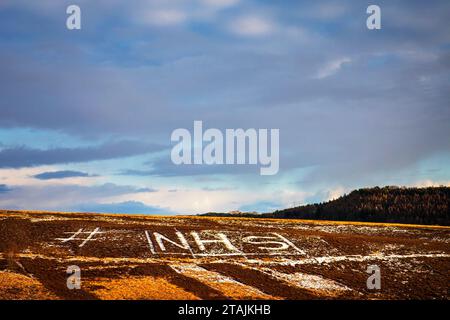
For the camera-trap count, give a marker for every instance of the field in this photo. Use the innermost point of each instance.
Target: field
(143, 257)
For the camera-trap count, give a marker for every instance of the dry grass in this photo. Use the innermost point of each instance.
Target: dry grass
(118, 263)
(15, 286)
(137, 288)
(6, 213)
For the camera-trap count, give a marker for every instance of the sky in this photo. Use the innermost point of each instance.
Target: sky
(86, 115)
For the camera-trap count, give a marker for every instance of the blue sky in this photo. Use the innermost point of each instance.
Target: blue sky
(86, 115)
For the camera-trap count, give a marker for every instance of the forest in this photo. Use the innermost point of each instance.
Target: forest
(387, 204)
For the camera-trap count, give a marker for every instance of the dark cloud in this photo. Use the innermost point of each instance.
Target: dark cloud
(165, 168)
(4, 188)
(146, 190)
(18, 157)
(138, 173)
(383, 111)
(61, 175)
(128, 207)
(64, 197)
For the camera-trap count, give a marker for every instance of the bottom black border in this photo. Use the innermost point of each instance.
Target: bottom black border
(255, 309)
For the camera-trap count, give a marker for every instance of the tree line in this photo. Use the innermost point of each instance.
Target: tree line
(387, 204)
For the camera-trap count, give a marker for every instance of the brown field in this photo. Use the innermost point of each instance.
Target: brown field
(144, 257)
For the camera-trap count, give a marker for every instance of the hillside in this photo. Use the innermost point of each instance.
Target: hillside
(127, 257)
(387, 204)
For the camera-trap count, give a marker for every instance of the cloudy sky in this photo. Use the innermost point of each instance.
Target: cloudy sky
(86, 115)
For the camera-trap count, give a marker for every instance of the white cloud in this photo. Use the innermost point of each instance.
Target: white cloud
(332, 67)
(220, 3)
(174, 13)
(25, 177)
(165, 17)
(62, 196)
(252, 26)
(328, 11)
(335, 193)
(430, 183)
(190, 201)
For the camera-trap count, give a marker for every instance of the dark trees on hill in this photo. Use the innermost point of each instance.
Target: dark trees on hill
(388, 204)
